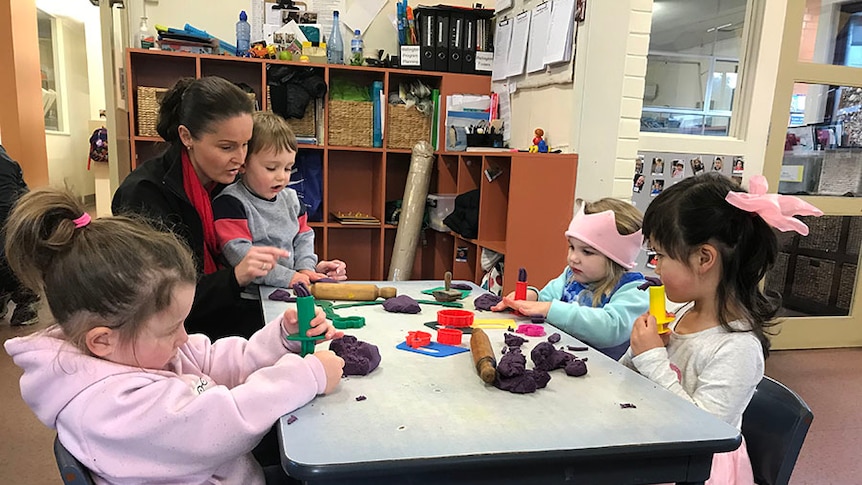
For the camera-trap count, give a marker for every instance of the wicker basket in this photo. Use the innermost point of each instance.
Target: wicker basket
(407, 126)
(350, 123)
(304, 126)
(149, 100)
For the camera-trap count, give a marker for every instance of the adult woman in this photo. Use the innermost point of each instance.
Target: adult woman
(206, 124)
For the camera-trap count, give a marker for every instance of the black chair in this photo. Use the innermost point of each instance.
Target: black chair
(72, 471)
(774, 426)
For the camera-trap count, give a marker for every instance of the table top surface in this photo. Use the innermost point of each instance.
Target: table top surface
(419, 407)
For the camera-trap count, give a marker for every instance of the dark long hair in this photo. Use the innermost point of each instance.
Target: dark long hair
(197, 104)
(694, 212)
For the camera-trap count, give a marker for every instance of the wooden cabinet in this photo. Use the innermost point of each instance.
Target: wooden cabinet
(523, 212)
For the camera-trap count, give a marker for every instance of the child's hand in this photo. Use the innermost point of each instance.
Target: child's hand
(319, 324)
(335, 269)
(645, 335)
(258, 261)
(502, 306)
(300, 277)
(334, 367)
(527, 307)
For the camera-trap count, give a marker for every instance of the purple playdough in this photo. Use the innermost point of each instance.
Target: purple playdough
(547, 358)
(514, 340)
(281, 295)
(486, 301)
(576, 368)
(537, 319)
(554, 338)
(360, 358)
(513, 376)
(401, 304)
(512, 364)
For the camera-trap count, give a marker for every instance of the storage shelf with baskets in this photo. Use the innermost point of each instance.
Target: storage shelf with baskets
(358, 177)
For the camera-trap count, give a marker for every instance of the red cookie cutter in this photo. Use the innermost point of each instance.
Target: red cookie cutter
(418, 339)
(455, 318)
(449, 336)
(531, 330)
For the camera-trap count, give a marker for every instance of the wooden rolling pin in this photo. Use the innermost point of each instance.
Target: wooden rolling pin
(351, 291)
(483, 355)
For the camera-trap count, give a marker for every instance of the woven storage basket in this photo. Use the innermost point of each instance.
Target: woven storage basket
(350, 123)
(407, 126)
(149, 100)
(304, 126)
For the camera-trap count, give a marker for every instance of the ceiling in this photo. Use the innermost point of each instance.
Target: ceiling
(684, 25)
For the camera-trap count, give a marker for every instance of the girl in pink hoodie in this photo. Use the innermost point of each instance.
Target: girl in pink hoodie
(131, 395)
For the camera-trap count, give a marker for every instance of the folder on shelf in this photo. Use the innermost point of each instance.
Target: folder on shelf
(468, 63)
(456, 41)
(441, 38)
(378, 110)
(427, 40)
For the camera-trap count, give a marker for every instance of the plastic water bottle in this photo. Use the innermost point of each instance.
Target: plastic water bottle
(335, 46)
(243, 35)
(356, 49)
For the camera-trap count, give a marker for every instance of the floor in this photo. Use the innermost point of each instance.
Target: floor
(830, 381)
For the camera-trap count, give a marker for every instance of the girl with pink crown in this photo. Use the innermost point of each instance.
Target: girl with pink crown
(714, 243)
(596, 298)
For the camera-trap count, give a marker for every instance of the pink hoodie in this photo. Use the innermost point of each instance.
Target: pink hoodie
(194, 424)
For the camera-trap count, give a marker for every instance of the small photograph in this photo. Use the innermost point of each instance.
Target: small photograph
(678, 169)
(638, 183)
(307, 18)
(651, 259)
(639, 164)
(717, 164)
(657, 166)
(657, 187)
(738, 165)
(697, 167)
(461, 254)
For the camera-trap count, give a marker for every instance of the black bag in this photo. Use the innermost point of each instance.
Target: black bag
(464, 219)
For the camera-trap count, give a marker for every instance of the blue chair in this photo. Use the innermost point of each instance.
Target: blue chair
(774, 426)
(72, 471)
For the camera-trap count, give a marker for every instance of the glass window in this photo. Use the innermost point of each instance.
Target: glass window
(823, 145)
(832, 33)
(693, 66)
(48, 54)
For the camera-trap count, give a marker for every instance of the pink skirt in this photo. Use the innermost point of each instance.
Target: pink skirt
(731, 468)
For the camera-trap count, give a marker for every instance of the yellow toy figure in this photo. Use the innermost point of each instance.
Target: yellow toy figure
(658, 310)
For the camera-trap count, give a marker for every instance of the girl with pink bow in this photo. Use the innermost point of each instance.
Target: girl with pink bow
(714, 244)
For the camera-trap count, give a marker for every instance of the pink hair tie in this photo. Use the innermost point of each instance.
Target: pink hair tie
(777, 210)
(82, 221)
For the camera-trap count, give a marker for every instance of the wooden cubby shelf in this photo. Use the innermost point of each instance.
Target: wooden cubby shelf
(523, 212)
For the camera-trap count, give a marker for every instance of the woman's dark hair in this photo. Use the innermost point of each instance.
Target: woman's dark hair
(197, 104)
(114, 271)
(694, 212)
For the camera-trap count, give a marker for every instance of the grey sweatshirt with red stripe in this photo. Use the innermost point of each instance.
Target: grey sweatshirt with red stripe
(244, 219)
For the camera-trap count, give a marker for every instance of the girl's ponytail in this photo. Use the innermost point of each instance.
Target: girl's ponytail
(170, 111)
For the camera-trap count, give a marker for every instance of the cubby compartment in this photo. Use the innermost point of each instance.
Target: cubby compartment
(147, 149)
(433, 254)
(465, 256)
(159, 71)
(354, 184)
(246, 73)
(494, 202)
(447, 174)
(350, 111)
(405, 123)
(360, 248)
(469, 173)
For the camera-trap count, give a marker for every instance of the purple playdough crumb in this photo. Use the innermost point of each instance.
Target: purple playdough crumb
(627, 405)
(360, 358)
(361, 398)
(401, 304)
(537, 319)
(460, 286)
(486, 301)
(577, 349)
(512, 340)
(554, 338)
(326, 280)
(547, 358)
(300, 289)
(291, 419)
(576, 368)
(281, 295)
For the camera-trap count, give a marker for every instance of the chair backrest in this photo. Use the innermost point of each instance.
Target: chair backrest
(774, 426)
(71, 470)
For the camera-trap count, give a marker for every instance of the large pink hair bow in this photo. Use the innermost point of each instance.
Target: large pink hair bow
(777, 210)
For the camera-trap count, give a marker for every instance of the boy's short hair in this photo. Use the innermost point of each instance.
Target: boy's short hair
(271, 131)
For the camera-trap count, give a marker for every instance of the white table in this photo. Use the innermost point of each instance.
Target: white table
(432, 420)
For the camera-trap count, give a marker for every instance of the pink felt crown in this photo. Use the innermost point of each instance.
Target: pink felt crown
(600, 231)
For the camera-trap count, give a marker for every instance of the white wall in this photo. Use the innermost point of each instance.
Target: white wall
(219, 19)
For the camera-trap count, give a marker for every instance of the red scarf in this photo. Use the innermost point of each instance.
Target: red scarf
(200, 199)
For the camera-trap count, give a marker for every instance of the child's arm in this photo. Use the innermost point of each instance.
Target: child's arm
(554, 289)
(605, 326)
(724, 377)
(233, 235)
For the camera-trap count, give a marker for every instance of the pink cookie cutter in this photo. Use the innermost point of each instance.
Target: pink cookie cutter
(531, 330)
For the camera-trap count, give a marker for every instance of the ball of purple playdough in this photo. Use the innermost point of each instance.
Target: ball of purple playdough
(360, 358)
